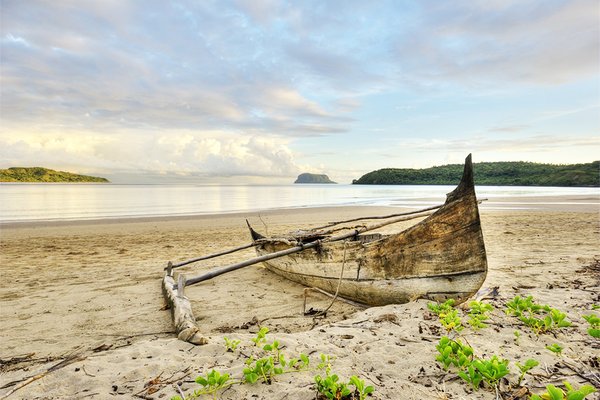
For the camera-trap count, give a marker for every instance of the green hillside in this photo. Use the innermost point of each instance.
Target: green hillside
(490, 173)
(38, 174)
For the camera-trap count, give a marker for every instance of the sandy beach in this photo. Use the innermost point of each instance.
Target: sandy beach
(88, 294)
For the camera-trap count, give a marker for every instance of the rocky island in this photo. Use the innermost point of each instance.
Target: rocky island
(38, 174)
(313, 178)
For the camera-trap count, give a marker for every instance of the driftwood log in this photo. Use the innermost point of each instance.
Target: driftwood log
(181, 311)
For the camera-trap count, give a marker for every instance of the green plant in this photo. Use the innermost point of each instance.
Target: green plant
(331, 387)
(211, 384)
(260, 336)
(478, 312)
(263, 368)
(527, 311)
(231, 344)
(453, 352)
(441, 308)
(294, 364)
(517, 306)
(517, 337)
(273, 347)
(555, 348)
(594, 321)
(554, 393)
(325, 363)
(451, 321)
(524, 368)
(362, 390)
(471, 375)
(492, 370)
(447, 315)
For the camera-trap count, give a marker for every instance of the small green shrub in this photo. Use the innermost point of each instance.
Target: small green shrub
(529, 313)
(594, 329)
(554, 393)
(525, 368)
(331, 387)
(231, 344)
(453, 352)
(478, 313)
(260, 336)
(492, 370)
(360, 388)
(555, 348)
(211, 383)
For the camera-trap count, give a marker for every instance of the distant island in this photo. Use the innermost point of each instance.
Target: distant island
(490, 173)
(38, 174)
(313, 178)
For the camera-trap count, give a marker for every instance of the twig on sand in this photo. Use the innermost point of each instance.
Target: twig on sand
(156, 384)
(85, 372)
(22, 383)
(589, 376)
(180, 391)
(121, 336)
(16, 359)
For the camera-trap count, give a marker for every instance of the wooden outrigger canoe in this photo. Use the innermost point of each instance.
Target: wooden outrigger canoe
(441, 257)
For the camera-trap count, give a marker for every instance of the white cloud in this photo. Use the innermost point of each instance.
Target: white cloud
(231, 88)
(196, 154)
(471, 43)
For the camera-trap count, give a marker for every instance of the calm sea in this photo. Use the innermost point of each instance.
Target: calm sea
(47, 202)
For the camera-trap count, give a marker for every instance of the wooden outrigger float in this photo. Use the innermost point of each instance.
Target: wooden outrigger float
(441, 257)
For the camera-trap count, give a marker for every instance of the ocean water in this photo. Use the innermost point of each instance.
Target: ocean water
(22, 202)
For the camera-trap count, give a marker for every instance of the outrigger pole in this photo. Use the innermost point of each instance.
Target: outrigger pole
(299, 248)
(254, 244)
(181, 309)
(193, 260)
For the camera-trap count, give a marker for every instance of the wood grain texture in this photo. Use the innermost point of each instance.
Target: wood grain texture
(441, 257)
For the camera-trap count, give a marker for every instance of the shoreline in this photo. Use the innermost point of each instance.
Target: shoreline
(567, 203)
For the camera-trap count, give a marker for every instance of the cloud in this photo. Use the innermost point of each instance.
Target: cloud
(126, 85)
(475, 43)
(509, 148)
(209, 154)
(185, 66)
(509, 128)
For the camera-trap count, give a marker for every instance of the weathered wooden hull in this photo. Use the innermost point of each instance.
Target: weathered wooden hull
(441, 257)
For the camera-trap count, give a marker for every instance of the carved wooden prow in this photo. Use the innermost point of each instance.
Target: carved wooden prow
(466, 184)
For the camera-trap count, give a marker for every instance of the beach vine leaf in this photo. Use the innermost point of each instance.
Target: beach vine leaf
(362, 390)
(594, 322)
(260, 336)
(555, 348)
(453, 352)
(540, 318)
(479, 312)
(231, 344)
(492, 370)
(554, 393)
(525, 368)
(447, 315)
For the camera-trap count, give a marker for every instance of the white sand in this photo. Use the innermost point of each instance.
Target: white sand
(72, 287)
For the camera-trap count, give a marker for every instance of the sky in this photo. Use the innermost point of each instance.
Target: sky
(259, 91)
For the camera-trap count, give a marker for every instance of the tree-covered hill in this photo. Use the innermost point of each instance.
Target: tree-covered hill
(491, 173)
(313, 178)
(38, 174)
